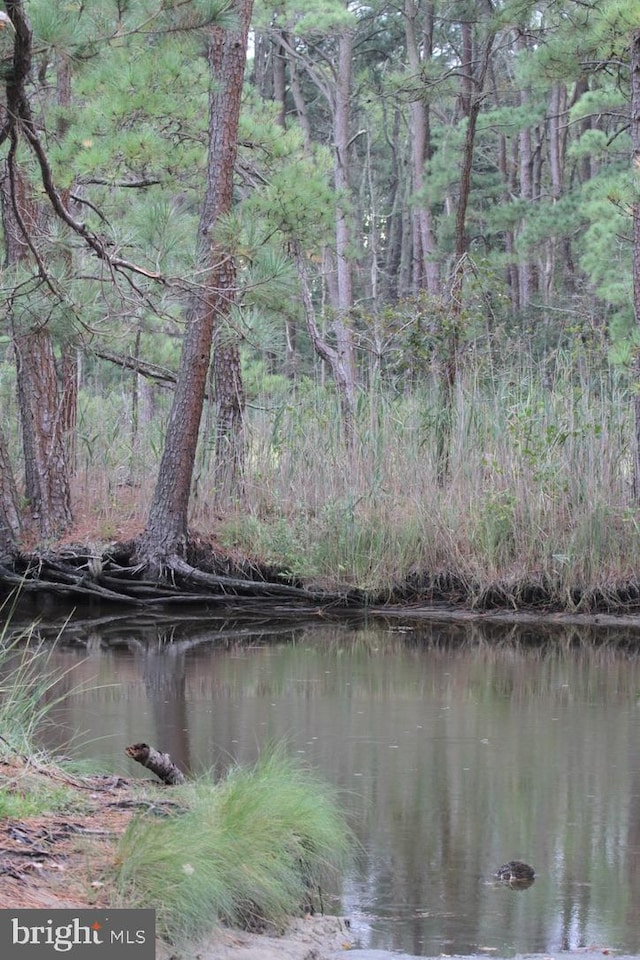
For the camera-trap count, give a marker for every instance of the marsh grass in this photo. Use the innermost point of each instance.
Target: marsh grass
(539, 482)
(27, 695)
(27, 687)
(539, 486)
(253, 849)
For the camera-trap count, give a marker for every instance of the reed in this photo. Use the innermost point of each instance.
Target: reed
(27, 687)
(27, 695)
(538, 486)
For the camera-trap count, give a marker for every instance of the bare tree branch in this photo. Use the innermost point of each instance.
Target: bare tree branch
(149, 370)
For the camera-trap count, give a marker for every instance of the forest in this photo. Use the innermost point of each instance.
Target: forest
(346, 291)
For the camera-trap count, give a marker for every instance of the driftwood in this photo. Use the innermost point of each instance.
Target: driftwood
(159, 763)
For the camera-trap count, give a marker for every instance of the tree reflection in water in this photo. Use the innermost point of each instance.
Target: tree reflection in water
(451, 744)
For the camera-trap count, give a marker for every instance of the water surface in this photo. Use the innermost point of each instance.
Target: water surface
(453, 751)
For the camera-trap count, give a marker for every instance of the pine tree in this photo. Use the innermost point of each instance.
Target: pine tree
(165, 536)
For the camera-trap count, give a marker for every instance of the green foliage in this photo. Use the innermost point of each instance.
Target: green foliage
(602, 99)
(297, 200)
(494, 536)
(250, 850)
(606, 243)
(308, 19)
(58, 26)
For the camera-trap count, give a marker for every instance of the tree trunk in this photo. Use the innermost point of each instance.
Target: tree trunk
(10, 521)
(69, 366)
(302, 112)
(635, 139)
(330, 355)
(39, 398)
(471, 95)
(69, 375)
(47, 481)
(290, 366)
(230, 402)
(526, 270)
(338, 276)
(166, 531)
(159, 763)
(557, 124)
(425, 266)
(280, 80)
(511, 269)
(40, 403)
(393, 224)
(342, 324)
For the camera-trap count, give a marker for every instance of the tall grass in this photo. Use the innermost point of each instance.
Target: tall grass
(250, 850)
(26, 687)
(539, 484)
(27, 695)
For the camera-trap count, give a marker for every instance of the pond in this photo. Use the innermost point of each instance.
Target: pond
(454, 750)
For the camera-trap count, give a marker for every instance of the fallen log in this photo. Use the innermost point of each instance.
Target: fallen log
(159, 763)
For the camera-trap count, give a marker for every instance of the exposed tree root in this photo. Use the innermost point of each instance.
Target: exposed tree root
(112, 577)
(209, 578)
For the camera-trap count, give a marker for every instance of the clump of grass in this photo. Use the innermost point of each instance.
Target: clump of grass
(248, 851)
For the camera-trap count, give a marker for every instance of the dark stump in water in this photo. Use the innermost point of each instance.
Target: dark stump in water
(516, 873)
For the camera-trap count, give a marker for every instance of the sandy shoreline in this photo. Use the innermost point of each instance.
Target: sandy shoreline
(309, 938)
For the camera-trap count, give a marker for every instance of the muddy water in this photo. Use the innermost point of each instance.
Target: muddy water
(453, 750)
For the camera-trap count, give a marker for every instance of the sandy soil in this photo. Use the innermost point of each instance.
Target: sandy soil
(310, 938)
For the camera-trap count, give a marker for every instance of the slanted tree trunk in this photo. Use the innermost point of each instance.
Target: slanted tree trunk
(339, 276)
(165, 535)
(329, 354)
(159, 763)
(476, 58)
